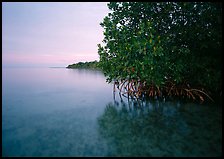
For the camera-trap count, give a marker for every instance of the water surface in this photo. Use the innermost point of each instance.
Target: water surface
(72, 112)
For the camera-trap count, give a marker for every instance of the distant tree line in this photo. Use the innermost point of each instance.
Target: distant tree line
(92, 64)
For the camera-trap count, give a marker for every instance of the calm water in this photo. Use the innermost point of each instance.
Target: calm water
(72, 112)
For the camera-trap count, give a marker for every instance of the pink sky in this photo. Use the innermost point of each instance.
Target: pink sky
(51, 34)
(47, 59)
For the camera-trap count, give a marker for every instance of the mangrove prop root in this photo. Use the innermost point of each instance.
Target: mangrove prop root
(138, 89)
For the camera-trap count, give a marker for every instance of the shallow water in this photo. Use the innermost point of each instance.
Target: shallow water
(72, 112)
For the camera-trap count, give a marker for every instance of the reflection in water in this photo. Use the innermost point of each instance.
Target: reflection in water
(60, 112)
(52, 112)
(161, 129)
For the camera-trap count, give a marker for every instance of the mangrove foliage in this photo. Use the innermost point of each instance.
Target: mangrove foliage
(163, 49)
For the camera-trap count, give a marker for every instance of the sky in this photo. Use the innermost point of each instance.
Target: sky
(41, 34)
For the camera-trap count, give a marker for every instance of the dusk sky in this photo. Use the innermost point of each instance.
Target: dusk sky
(49, 34)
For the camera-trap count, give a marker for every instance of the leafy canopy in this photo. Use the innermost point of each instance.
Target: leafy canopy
(156, 42)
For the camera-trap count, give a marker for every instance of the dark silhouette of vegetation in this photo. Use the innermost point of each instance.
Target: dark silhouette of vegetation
(163, 49)
(92, 65)
(161, 129)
